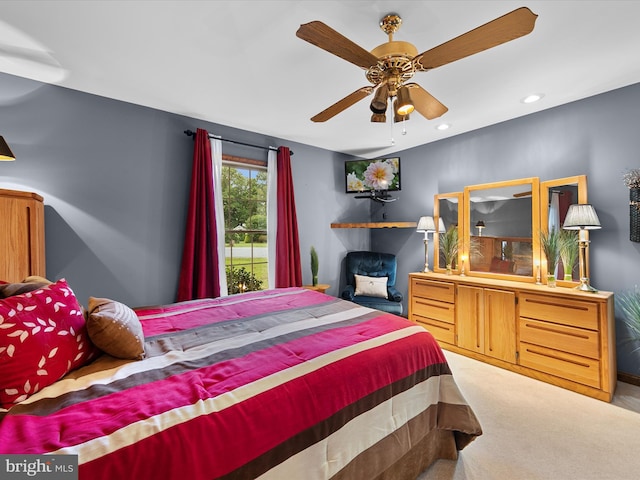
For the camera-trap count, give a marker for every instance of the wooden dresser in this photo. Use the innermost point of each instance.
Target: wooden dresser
(558, 335)
(22, 249)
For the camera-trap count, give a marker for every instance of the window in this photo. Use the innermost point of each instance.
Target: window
(244, 192)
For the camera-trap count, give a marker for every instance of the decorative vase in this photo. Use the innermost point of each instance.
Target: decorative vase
(634, 214)
(314, 280)
(551, 281)
(449, 269)
(568, 277)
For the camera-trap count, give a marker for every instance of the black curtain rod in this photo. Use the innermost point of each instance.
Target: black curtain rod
(191, 133)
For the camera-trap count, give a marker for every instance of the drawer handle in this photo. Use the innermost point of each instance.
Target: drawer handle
(434, 305)
(559, 332)
(433, 285)
(555, 357)
(426, 321)
(541, 302)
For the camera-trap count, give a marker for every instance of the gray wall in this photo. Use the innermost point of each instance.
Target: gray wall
(115, 180)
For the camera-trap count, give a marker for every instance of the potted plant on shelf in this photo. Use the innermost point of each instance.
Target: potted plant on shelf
(550, 242)
(569, 249)
(314, 267)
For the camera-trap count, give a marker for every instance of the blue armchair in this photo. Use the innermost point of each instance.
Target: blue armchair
(375, 266)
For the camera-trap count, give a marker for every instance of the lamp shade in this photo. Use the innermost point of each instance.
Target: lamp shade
(441, 227)
(5, 152)
(426, 224)
(404, 105)
(379, 102)
(581, 217)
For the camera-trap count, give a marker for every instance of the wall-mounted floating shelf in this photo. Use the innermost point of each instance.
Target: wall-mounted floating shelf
(375, 225)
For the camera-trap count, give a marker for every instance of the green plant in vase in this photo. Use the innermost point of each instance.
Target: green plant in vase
(314, 267)
(569, 250)
(449, 247)
(550, 242)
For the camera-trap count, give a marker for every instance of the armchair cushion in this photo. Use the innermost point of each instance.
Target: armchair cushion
(371, 286)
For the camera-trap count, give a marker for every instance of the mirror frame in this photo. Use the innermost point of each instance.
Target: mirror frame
(581, 182)
(436, 236)
(534, 184)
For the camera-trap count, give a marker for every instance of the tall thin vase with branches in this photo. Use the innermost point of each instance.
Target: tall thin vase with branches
(569, 249)
(550, 242)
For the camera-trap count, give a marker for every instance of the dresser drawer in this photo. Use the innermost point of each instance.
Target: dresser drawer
(565, 311)
(441, 331)
(432, 289)
(561, 364)
(560, 337)
(434, 309)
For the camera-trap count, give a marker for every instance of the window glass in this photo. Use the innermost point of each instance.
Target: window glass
(244, 191)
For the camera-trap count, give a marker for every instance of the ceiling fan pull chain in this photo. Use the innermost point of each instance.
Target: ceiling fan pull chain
(393, 141)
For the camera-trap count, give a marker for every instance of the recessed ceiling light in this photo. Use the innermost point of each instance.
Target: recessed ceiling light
(534, 97)
(443, 126)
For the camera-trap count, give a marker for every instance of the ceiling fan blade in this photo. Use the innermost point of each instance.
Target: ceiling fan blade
(325, 37)
(425, 103)
(513, 25)
(343, 104)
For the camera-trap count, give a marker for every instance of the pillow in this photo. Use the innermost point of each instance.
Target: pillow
(43, 336)
(115, 329)
(10, 289)
(371, 286)
(37, 279)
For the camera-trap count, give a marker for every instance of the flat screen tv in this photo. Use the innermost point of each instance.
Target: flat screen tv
(378, 175)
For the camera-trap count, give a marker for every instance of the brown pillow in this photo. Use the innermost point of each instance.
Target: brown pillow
(10, 289)
(37, 279)
(115, 329)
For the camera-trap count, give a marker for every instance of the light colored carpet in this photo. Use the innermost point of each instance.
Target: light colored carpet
(536, 431)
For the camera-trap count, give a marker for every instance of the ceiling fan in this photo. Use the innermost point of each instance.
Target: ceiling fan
(389, 66)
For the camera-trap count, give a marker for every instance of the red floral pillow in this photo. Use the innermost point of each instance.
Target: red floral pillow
(42, 337)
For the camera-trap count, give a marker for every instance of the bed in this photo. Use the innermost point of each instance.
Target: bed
(277, 384)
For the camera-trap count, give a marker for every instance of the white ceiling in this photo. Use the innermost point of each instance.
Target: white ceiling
(239, 63)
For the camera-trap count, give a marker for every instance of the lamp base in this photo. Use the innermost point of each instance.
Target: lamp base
(585, 287)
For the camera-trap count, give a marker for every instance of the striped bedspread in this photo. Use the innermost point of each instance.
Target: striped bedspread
(278, 384)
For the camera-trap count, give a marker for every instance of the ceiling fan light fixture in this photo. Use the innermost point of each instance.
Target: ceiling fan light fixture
(379, 102)
(397, 118)
(378, 118)
(376, 110)
(404, 106)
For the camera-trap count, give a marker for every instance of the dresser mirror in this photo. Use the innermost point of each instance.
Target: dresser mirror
(555, 197)
(499, 227)
(501, 222)
(447, 207)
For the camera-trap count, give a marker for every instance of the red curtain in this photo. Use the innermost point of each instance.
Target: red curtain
(288, 267)
(199, 269)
